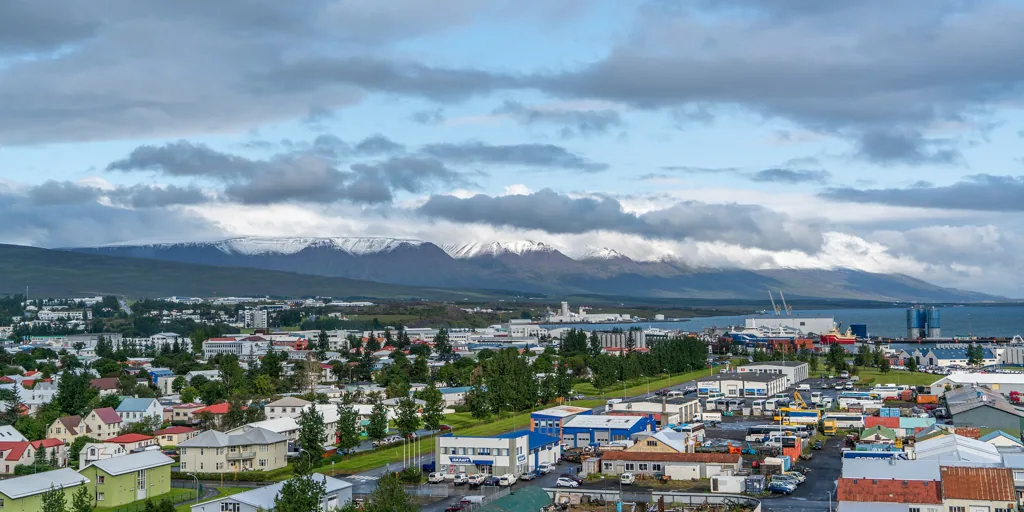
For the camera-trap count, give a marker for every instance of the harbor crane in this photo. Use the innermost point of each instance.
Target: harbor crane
(789, 309)
(775, 307)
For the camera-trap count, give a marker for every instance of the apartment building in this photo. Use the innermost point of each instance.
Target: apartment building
(216, 452)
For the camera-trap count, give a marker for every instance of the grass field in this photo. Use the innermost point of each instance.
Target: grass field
(176, 495)
(221, 491)
(871, 376)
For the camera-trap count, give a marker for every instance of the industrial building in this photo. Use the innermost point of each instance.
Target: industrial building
(794, 371)
(743, 384)
(550, 421)
(667, 411)
(983, 408)
(677, 466)
(564, 315)
(947, 355)
(999, 382)
(923, 323)
(804, 324)
(513, 452)
(587, 430)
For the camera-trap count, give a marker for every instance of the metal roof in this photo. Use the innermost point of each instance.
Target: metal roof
(215, 439)
(278, 425)
(956, 448)
(560, 411)
(603, 421)
(289, 401)
(30, 485)
(891, 469)
(133, 462)
(263, 497)
(745, 376)
(791, 364)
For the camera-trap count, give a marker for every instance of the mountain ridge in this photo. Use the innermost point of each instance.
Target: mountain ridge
(531, 267)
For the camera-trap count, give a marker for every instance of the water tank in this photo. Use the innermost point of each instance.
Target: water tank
(914, 322)
(934, 329)
(859, 330)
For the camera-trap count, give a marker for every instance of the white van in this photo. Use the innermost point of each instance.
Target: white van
(673, 394)
(627, 478)
(613, 401)
(804, 387)
(507, 480)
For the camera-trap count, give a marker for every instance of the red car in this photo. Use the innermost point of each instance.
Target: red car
(455, 508)
(442, 428)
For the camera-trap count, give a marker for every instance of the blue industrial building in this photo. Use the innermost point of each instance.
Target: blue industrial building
(587, 430)
(550, 421)
(923, 323)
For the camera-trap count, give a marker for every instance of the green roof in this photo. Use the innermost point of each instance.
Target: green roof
(881, 430)
(527, 498)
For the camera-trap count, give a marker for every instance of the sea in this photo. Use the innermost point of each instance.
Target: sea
(982, 321)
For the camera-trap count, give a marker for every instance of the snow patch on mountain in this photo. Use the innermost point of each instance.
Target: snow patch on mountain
(598, 253)
(255, 246)
(477, 249)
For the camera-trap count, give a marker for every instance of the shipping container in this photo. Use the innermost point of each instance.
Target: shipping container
(927, 399)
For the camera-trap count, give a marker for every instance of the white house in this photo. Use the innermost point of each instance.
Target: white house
(339, 492)
(134, 410)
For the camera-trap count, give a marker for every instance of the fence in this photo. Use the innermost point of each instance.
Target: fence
(176, 496)
(725, 501)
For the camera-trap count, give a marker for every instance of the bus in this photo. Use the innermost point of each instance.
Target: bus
(887, 391)
(771, 404)
(846, 420)
(798, 416)
(696, 430)
(759, 433)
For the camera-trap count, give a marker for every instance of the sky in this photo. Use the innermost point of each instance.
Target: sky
(883, 136)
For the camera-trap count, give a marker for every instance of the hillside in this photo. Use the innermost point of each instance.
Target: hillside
(56, 273)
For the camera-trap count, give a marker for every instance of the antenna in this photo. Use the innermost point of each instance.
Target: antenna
(776, 308)
(789, 309)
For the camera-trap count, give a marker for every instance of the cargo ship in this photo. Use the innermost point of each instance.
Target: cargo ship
(835, 336)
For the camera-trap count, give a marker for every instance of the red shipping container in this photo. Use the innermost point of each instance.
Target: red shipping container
(874, 421)
(793, 452)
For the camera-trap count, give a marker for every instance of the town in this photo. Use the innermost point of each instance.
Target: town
(106, 406)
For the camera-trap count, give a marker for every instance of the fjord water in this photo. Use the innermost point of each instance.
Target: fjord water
(984, 321)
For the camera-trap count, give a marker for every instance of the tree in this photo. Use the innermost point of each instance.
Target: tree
(377, 429)
(73, 394)
(442, 344)
(53, 500)
(53, 462)
(312, 437)
(595, 348)
(911, 364)
(189, 395)
(630, 342)
(478, 401)
(419, 372)
(407, 420)
(975, 355)
(563, 382)
(348, 429)
(433, 410)
(389, 496)
(885, 366)
(81, 501)
(301, 494)
(12, 401)
(864, 356)
(877, 356)
(104, 348)
(322, 345)
(178, 384)
(813, 364)
(76, 448)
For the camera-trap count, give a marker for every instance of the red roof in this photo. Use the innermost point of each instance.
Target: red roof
(129, 438)
(108, 415)
(978, 484)
(889, 491)
(874, 421)
(31, 373)
(174, 430)
(105, 383)
(718, 458)
(221, 408)
(221, 339)
(17, 448)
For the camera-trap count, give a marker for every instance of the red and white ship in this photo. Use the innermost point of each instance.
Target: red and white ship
(835, 336)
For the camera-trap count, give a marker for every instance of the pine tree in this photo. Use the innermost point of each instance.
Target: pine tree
(433, 410)
(630, 342)
(348, 428)
(323, 344)
(54, 500)
(595, 347)
(54, 463)
(378, 426)
(442, 344)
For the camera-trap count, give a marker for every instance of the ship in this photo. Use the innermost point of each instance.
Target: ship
(759, 337)
(836, 336)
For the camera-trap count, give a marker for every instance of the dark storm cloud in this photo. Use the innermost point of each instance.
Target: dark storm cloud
(981, 192)
(885, 147)
(149, 196)
(530, 155)
(746, 225)
(778, 175)
(378, 145)
(183, 158)
(31, 26)
(62, 193)
(574, 121)
(412, 174)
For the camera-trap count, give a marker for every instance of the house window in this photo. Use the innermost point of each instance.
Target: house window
(915, 509)
(655, 467)
(183, 465)
(630, 467)
(101, 479)
(608, 465)
(957, 509)
(1002, 510)
(263, 448)
(652, 443)
(229, 507)
(99, 496)
(220, 466)
(263, 463)
(643, 467)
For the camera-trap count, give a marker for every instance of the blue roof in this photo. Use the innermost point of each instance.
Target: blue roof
(460, 389)
(959, 353)
(998, 433)
(134, 404)
(536, 439)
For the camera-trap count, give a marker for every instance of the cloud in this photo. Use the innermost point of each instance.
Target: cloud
(747, 225)
(530, 155)
(429, 117)
(887, 147)
(412, 174)
(151, 196)
(778, 175)
(62, 193)
(575, 121)
(378, 144)
(980, 192)
(699, 170)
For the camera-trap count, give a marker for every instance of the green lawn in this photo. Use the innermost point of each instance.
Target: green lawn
(640, 387)
(177, 494)
(871, 376)
(221, 491)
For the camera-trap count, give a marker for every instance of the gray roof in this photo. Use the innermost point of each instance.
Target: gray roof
(747, 376)
(894, 469)
(776, 363)
(29, 485)
(969, 398)
(263, 497)
(132, 462)
(215, 439)
(135, 404)
(289, 401)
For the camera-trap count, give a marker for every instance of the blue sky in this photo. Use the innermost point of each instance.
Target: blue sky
(883, 136)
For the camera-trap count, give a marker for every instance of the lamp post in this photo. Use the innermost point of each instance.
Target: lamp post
(193, 475)
(829, 500)
(310, 457)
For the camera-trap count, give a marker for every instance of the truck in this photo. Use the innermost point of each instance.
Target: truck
(714, 417)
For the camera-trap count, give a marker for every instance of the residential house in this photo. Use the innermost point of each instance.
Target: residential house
(105, 385)
(173, 436)
(678, 466)
(67, 429)
(339, 492)
(25, 492)
(9, 433)
(133, 442)
(665, 441)
(16, 453)
(973, 489)
(878, 435)
(134, 410)
(286, 427)
(216, 452)
(454, 396)
(291, 408)
(102, 424)
(1001, 439)
(133, 477)
(184, 414)
(93, 452)
(218, 411)
(287, 407)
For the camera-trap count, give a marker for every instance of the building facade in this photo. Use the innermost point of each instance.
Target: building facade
(137, 476)
(794, 371)
(216, 452)
(514, 452)
(337, 493)
(748, 384)
(26, 492)
(589, 430)
(550, 421)
(667, 411)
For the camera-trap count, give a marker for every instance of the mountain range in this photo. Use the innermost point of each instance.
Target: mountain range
(529, 266)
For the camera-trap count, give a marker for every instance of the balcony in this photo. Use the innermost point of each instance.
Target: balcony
(241, 455)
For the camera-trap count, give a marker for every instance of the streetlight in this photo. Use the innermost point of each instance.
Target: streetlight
(193, 475)
(830, 499)
(310, 457)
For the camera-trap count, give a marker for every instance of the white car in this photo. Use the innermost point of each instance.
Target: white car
(545, 468)
(627, 478)
(507, 480)
(614, 401)
(461, 478)
(566, 482)
(436, 478)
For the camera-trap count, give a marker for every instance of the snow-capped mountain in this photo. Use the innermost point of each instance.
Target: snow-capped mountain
(493, 249)
(598, 253)
(253, 246)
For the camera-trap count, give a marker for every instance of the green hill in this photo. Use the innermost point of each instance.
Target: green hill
(53, 273)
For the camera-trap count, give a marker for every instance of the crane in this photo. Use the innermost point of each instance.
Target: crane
(789, 309)
(799, 400)
(776, 308)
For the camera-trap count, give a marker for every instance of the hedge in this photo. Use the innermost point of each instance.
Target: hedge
(240, 476)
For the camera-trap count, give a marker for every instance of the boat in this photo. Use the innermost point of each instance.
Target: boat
(754, 337)
(835, 336)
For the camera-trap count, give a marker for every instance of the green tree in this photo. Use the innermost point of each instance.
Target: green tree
(877, 356)
(433, 410)
(178, 384)
(563, 382)
(479, 403)
(812, 363)
(911, 364)
(377, 429)
(594, 348)
(53, 500)
(885, 366)
(389, 496)
(348, 428)
(864, 356)
(630, 342)
(407, 420)
(442, 344)
(76, 448)
(323, 344)
(81, 501)
(12, 405)
(302, 493)
(312, 437)
(189, 395)
(73, 394)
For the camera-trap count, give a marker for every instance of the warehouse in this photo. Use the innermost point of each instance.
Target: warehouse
(550, 421)
(983, 408)
(677, 466)
(593, 429)
(667, 411)
(514, 452)
(747, 384)
(794, 371)
(1000, 382)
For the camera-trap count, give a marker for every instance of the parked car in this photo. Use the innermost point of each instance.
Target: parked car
(690, 389)
(436, 478)
(781, 487)
(476, 480)
(529, 475)
(461, 478)
(849, 385)
(545, 468)
(627, 478)
(507, 480)
(443, 428)
(492, 481)
(789, 479)
(613, 401)
(800, 478)
(458, 507)
(566, 482)
(839, 385)
(844, 375)
(818, 445)
(574, 478)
